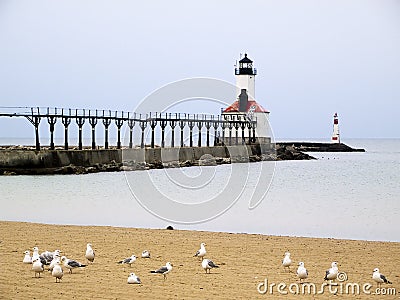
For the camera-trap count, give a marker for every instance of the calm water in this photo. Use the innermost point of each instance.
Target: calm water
(341, 195)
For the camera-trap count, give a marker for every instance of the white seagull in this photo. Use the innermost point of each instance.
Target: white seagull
(71, 264)
(27, 258)
(302, 272)
(208, 264)
(145, 254)
(89, 252)
(37, 266)
(56, 258)
(128, 261)
(332, 273)
(164, 270)
(202, 251)
(132, 278)
(286, 262)
(35, 253)
(57, 271)
(379, 278)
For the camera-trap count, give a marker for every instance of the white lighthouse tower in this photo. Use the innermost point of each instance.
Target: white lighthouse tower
(335, 134)
(246, 77)
(246, 108)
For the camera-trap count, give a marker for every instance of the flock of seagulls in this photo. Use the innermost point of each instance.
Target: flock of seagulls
(330, 274)
(55, 263)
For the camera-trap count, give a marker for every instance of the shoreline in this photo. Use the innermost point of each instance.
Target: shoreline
(245, 261)
(206, 231)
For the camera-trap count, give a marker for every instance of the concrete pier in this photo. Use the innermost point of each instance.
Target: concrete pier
(87, 161)
(47, 161)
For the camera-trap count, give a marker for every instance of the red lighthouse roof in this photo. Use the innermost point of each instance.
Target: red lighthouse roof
(252, 105)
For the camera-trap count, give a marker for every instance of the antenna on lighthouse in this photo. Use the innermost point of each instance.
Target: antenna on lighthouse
(335, 134)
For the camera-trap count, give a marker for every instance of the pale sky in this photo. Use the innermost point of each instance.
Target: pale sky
(314, 58)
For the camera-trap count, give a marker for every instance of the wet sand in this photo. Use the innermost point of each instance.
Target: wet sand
(245, 260)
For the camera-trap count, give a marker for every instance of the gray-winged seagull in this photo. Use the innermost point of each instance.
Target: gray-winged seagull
(208, 264)
(164, 270)
(202, 251)
(132, 278)
(379, 278)
(71, 264)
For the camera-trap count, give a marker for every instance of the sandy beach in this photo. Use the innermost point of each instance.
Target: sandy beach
(245, 260)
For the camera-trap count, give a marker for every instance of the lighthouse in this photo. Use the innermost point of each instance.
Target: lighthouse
(335, 134)
(246, 108)
(246, 76)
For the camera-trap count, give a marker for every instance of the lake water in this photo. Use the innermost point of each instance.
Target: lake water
(340, 195)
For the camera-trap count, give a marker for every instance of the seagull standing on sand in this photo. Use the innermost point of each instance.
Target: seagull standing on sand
(71, 264)
(132, 278)
(164, 270)
(286, 262)
(57, 271)
(54, 261)
(27, 258)
(35, 253)
(202, 251)
(37, 266)
(302, 272)
(332, 273)
(128, 261)
(379, 278)
(89, 252)
(208, 264)
(145, 254)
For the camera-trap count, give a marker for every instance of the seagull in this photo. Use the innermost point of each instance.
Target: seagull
(331, 274)
(164, 270)
(56, 259)
(89, 252)
(129, 261)
(57, 271)
(132, 278)
(202, 251)
(286, 262)
(35, 253)
(302, 272)
(379, 278)
(37, 266)
(145, 254)
(208, 264)
(27, 258)
(71, 264)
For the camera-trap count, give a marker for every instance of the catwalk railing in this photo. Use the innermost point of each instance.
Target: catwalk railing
(183, 122)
